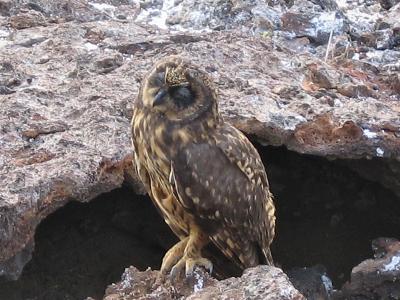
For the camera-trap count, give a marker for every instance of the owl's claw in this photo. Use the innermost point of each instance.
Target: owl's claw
(190, 264)
(173, 256)
(176, 271)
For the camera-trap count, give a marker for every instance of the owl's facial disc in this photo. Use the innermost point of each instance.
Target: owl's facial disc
(178, 91)
(181, 96)
(160, 97)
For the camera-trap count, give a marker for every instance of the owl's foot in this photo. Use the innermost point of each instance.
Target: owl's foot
(190, 264)
(173, 256)
(192, 255)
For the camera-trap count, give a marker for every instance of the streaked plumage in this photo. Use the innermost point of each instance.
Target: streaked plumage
(204, 176)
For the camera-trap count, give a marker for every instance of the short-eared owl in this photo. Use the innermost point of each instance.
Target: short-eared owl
(204, 175)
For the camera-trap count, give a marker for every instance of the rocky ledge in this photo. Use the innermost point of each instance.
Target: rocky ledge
(325, 83)
(371, 279)
(262, 282)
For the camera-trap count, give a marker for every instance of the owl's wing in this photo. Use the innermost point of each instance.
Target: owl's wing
(224, 185)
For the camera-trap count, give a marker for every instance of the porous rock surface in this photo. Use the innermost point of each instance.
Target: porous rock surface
(262, 282)
(376, 278)
(69, 72)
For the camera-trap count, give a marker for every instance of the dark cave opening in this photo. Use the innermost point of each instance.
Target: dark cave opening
(83, 247)
(326, 214)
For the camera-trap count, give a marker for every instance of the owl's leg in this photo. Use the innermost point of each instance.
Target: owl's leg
(192, 255)
(173, 255)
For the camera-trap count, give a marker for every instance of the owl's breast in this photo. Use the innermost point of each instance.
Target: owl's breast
(155, 144)
(151, 149)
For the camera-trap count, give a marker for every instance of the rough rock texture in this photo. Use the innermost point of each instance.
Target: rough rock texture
(262, 282)
(69, 72)
(312, 282)
(376, 278)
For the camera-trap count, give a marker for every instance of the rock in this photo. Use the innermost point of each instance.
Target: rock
(67, 96)
(28, 19)
(376, 278)
(261, 282)
(5, 6)
(107, 63)
(380, 39)
(394, 80)
(388, 4)
(80, 10)
(317, 25)
(312, 282)
(354, 91)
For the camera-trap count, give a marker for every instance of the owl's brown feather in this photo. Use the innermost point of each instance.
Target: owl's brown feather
(204, 176)
(230, 198)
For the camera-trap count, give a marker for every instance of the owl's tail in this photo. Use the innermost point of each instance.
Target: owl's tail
(267, 257)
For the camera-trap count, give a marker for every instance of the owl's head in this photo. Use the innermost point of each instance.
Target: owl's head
(178, 90)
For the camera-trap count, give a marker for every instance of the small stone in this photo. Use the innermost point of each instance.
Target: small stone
(29, 19)
(388, 4)
(315, 26)
(354, 91)
(108, 63)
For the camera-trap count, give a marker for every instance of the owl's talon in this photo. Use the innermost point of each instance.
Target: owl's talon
(192, 263)
(173, 256)
(177, 269)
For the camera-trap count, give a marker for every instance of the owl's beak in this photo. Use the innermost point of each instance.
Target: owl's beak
(160, 97)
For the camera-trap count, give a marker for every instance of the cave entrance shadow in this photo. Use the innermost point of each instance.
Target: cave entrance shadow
(83, 247)
(326, 214)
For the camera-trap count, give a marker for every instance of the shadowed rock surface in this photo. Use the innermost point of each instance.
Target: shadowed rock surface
(376, 278)
(69, 73)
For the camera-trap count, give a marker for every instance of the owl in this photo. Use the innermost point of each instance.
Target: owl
(204, 176)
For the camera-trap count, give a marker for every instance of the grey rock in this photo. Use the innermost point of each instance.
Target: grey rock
(387, 4)
(300, 21)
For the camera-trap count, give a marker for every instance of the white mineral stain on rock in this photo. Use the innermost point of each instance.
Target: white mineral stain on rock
(91, 47)
(4, 34)
(126, 279)
(104, 7)
(379, 152)
(157, 17)
(394, 264)
(300, 118)
(325, 22)
(369, 134)
(337, 103)
(327, 283)
(342, 3)
(199, 282)
(161, 20)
